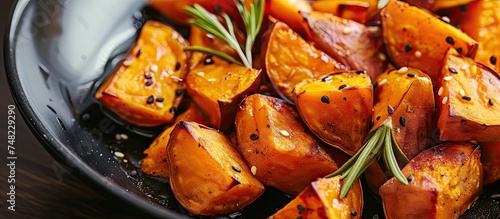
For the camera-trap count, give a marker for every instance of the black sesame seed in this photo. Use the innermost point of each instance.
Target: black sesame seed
(300, 209)
(390, 110)
(177, 66)
(493, 60)
(463, 8)
(343, 86)
(254, 137)
(149, 83)
(408, 48)
(172, 110)
(374, 85)
(459, 50)
(150, 99)
(208, 61)
(452, 70)
(148, 76)
(450, 40)
(160, 99)
(410, 178)
(235, 168)
(178, 92)
(354, 213)
(466, 98)
(326, 79)
(411, 75)
(325, 99)
(490, 101)
(378, 118)
(402, 121)
(361, 72)
(139, 52)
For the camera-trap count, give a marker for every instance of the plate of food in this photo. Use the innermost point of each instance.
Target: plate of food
(268, 109)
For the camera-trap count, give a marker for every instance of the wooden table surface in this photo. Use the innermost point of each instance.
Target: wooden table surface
(43, 189)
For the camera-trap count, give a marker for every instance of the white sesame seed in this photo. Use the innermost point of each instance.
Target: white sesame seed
(125, 161)
(118, 137)
(383, 81)
(464, 67)
(153, 68)
(128, 62)
(201, 74)
(284, 133)
(382, 57)
(346, 30)
(403, 70)
(124, 136)
(176, 78)
(253, 169)
(462, 92)
(418, 54)
(448, 78)
(445, 19)
(445, 100)
(160, 105)
(211, 79)
(119, 154)
(440, 91)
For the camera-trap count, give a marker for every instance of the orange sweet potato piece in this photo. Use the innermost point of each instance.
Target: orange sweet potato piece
(469, 103)
(418, 39)
(347, 97)
(444, 182)
(481, 21)
(407, 96)
(217, 87)
(289, 12)
(321, 200)
(277, 145)
(351, 43)
(490, 152)
(142, 90)
(155, 162)
(198, 37)
(360, 11)
(289, 59)
(207, 175)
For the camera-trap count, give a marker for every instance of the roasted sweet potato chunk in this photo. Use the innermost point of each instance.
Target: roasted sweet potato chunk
(174, 9)
(277, 145)
(490, 154)
(444, 182)
(407, 96)
(481, 21)
(360, 11)
(289, 12)
(198, 37)
(207, 175)
(155, 162)
(415, 38)
(217, 87)
(289, 59)
(347, 99)
(321, 200)
(351, 43)
(142, 90)
(469, 97)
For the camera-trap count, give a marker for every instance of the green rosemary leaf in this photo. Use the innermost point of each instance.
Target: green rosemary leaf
(213, 52)
(391, 160)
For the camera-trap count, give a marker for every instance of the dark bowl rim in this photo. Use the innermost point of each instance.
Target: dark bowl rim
(55, 148)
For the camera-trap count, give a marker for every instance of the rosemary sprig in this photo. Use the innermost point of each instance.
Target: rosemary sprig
(209, 22)
(380, 143)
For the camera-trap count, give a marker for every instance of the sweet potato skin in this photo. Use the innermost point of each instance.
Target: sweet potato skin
(447, 179)
(348, 99)
(133, 90)
(217, 87)
(289, 59)
(407, 45)
(490, 152)
(207, 175)
(155, 162)
(272, 137)
(470, 101)
(320, 200)
(351, 43)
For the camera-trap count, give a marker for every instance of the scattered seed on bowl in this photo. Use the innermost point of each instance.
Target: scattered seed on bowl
(119, 154)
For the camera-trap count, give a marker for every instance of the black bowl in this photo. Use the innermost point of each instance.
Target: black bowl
(56, 53)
